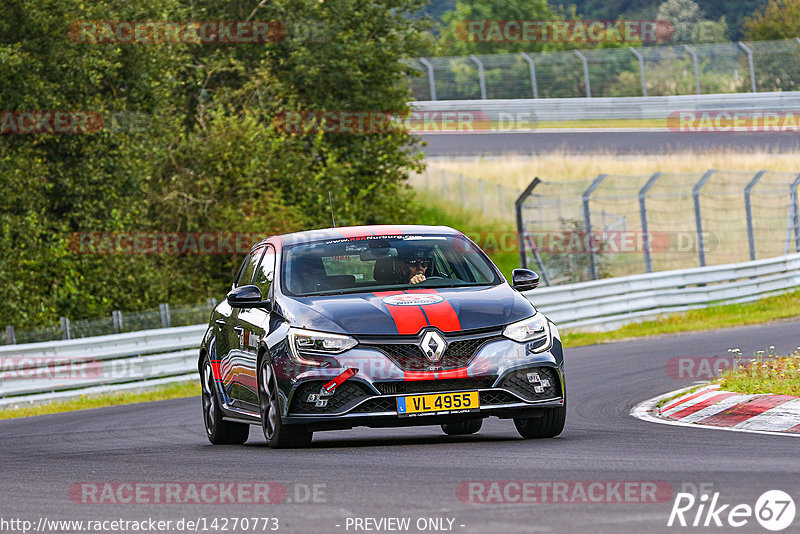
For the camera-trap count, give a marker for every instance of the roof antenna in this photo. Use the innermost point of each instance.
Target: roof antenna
(330, 200)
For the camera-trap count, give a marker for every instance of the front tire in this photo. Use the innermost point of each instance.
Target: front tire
(278, 435)
(549, 425)
(219, 431)
(462, 428)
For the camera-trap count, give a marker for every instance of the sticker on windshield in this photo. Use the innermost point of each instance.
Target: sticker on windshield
(412, 300)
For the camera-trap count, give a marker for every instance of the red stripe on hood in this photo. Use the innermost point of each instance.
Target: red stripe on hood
(407, 319)
(441, 315)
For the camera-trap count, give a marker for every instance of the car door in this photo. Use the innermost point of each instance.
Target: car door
(231, 332)
(254, 323)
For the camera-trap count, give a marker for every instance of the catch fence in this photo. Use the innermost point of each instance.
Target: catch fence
(666, 70)
(617, 225)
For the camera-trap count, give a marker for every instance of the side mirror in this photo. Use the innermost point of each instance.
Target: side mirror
(246, 297)
(524, 280)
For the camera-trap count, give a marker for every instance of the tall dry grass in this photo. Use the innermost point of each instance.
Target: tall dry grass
(517, 171)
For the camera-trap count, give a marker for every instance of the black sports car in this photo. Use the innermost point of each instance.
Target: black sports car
(377, 326)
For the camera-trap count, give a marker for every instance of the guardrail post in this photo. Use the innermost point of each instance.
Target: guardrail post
(696, 66)
(522, 234)
(648, 262)
(116, 319)
(585, 73)
(587, 219)
(11, 338)
(431, 79)
(165, 318)
(481, 77)
(796, 208)
(65, 332)
(698, 218)
(748, 213)
(641, 70)
(534, 85)
(752, 67)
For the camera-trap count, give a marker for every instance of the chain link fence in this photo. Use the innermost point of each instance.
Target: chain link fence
(759, 66)
(616, 225)
(164, 317)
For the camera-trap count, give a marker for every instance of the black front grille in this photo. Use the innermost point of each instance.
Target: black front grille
(377, 404)
(343, 398)
(410, 357)
(519, 383)
(432, 386)
(493, 398)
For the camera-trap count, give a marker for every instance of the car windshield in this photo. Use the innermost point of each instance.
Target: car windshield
(378, 263)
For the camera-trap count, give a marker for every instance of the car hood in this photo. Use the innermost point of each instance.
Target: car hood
(407, 312)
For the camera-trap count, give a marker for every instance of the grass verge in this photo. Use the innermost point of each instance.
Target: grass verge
(757, 312)
(431, 210)
(777, 375)
(163, 392)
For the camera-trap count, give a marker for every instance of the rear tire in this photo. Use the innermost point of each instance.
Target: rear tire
(549, 425)
(219, 431)
(461, 428)
(278, 435)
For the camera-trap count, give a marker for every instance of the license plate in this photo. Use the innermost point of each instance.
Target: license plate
(463, 402)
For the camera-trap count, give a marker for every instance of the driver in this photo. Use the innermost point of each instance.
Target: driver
(415, 266)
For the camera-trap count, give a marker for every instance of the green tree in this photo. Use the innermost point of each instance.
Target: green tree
(58, 184)
(454, 41)
(780, 19)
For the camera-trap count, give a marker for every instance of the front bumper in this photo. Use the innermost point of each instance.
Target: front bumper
(510, 379)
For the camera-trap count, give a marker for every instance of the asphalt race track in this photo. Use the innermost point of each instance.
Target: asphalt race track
(599, 141)
(415, 472)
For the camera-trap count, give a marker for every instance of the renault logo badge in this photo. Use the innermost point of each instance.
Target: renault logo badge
(433, 345)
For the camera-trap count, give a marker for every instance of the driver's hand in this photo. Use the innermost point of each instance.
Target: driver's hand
(418, 278)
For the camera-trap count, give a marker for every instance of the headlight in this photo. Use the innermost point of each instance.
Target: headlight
(534, 328)
(305, 343)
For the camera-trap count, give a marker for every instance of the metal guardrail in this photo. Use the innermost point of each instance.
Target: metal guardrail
(123, 361)
(54, 366)
(610, 303)
(524, 114)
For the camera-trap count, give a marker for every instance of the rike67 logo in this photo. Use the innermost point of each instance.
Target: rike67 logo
(774, 510)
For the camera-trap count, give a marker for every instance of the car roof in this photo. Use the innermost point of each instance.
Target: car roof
(324, 234)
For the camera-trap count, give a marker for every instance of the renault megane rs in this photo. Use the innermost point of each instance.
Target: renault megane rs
(377, 326)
